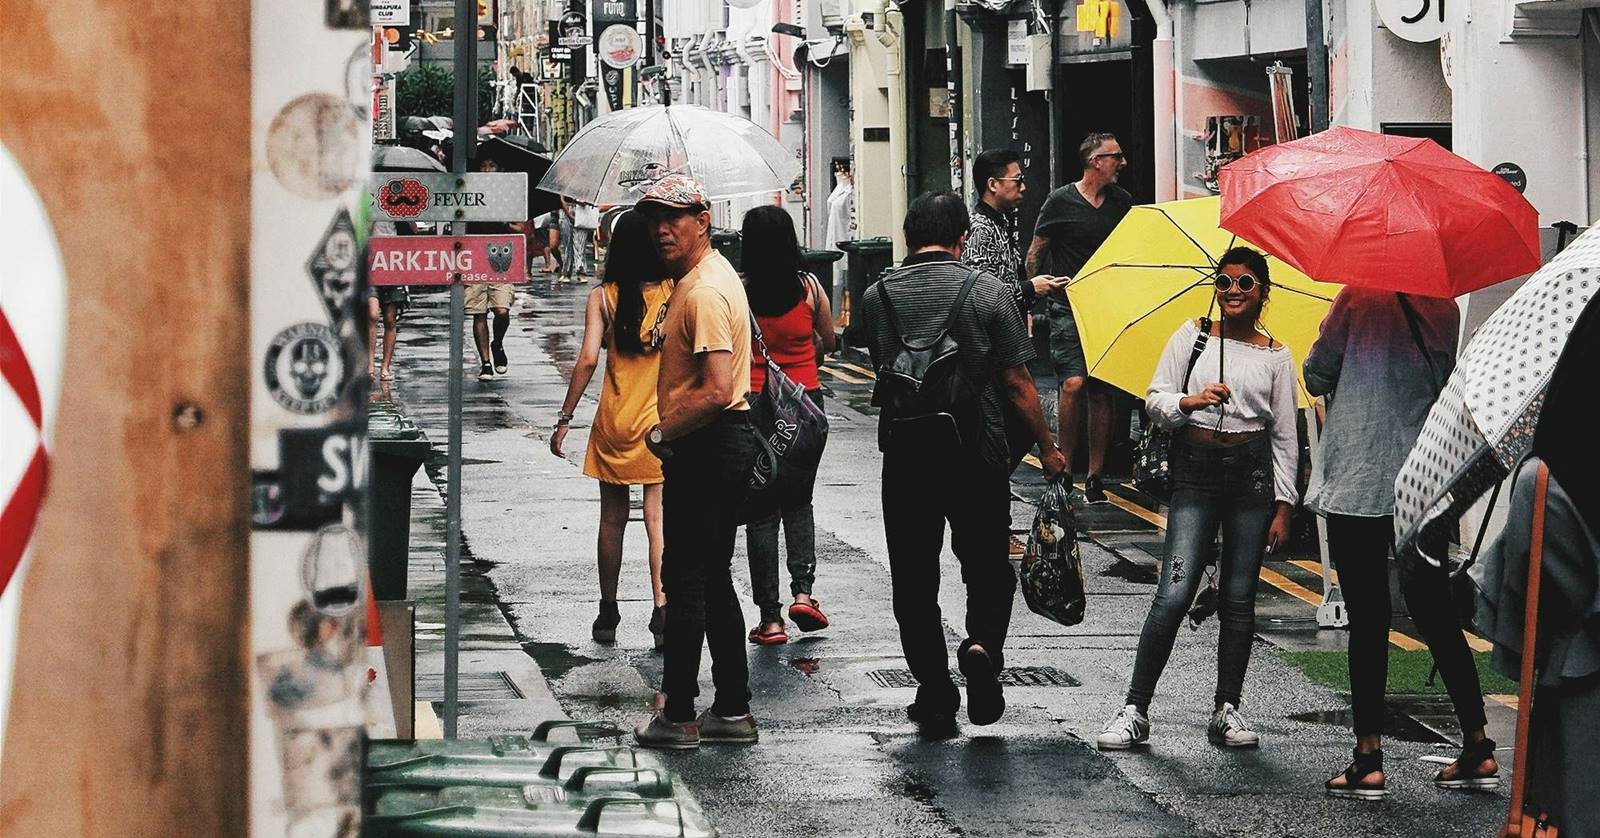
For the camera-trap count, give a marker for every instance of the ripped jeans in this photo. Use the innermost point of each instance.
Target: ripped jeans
(1230, 488)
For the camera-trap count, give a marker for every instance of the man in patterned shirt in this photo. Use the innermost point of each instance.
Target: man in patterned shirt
(992, 244)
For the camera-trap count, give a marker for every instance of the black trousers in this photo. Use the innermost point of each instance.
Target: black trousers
(922, 492)
(1359, 547)
(706, 480)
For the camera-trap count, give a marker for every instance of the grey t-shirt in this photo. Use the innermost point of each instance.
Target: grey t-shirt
(990, 331)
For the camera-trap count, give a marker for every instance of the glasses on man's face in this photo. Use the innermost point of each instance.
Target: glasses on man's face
(1244, 282)
(1114, 155)
(1017, 179)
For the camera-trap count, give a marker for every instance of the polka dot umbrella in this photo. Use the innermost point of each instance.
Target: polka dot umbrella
(1483, 422)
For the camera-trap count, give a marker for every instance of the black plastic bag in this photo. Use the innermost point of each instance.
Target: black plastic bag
(1052, 570)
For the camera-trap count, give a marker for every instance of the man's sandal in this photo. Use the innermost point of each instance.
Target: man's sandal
(1353, 788)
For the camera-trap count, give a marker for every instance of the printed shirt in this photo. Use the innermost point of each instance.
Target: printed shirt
(708, 312)
(989, 329)
(992, 246)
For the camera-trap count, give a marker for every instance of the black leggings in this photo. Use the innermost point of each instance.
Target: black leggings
(1359, 547)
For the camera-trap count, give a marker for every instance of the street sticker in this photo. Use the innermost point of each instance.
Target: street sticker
(333, 268)
(304, 368)
(315, 146)
(391, 12)
(320, 470)
(440, 260)
(619, 45)
(443, 196)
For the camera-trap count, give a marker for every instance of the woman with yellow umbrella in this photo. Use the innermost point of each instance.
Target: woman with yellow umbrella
(1227, 392)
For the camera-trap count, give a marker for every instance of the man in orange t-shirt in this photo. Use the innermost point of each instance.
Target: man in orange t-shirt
(707, 448)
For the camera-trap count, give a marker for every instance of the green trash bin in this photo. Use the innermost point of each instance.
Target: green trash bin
(611, 815)
(537, 745)
(820, 264)
(441, 770)
(867, 260)
(397, 448)
(585, 785)
(728, 243)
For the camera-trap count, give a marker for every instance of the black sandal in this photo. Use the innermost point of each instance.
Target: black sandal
(1473, 755)
(1353, 789)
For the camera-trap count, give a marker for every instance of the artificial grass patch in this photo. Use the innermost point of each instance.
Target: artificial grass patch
(1408, 671)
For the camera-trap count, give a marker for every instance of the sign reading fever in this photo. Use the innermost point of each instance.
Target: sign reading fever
(442, 196)
(441, 260)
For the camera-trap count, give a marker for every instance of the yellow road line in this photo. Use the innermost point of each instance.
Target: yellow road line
(1289, 586)
(1406, 642)
(1505, 699)
(426, 725)
(1315, 567)
(1476, 643)
(845, 377)
(1133, 508)
(863, 370)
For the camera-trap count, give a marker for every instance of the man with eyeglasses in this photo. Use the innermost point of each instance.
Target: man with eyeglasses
(992, 244)
(1074, 221)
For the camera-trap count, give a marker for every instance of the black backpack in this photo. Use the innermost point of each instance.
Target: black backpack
(926, 396)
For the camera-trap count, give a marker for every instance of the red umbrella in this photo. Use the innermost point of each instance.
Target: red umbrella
(1378, 211)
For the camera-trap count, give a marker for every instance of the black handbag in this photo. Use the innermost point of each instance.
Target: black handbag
(1152, 473)
(791, 428)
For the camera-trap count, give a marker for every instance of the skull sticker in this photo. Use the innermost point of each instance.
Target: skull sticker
(304, 369)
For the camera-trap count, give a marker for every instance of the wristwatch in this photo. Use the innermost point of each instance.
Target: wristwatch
(655, 436)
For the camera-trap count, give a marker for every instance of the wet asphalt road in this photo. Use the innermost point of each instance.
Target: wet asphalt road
(837, 757)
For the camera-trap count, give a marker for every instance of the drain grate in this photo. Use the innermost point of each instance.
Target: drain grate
(470, 686)
(1021, 676)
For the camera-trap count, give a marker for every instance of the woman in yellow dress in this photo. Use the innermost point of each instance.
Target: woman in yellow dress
(624, 313)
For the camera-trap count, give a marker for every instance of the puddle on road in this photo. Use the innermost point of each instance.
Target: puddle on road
(556, 659)
(1126, 570)
(809, 666)
(1397, 723)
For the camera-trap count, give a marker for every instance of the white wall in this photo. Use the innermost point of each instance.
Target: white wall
(1375, 77)
(1521, 100)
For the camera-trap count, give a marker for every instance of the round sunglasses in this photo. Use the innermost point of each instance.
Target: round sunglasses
(1244, 282)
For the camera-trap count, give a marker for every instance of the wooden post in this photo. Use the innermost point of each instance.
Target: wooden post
(129, 715)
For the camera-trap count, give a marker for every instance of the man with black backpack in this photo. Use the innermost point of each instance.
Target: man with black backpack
(951, 350)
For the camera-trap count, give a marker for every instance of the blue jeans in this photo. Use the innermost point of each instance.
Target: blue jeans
(1230, 488)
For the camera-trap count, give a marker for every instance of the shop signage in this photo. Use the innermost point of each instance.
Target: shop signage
(613, 11)
(443, 196)
(391, 12)
(1513, 174)
(383, 108)
(576, 40)
(1017, 41)
(619, 45)
(1418, 21)
(440, 260)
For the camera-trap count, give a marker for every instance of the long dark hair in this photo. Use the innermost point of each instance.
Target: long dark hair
(631, 261)
(770, 255)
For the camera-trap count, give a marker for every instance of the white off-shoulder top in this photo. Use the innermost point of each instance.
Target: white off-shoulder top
(1261, 381)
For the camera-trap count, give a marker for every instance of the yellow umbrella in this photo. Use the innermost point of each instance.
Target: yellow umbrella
(1154, 272)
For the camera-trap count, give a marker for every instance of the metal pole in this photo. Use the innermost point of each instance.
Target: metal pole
(1053, 95)
(1316, 66)
(466, 133)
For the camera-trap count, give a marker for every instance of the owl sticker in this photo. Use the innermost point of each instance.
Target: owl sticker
(500, 254)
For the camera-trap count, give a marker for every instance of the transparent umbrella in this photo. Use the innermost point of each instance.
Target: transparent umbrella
(616, 157)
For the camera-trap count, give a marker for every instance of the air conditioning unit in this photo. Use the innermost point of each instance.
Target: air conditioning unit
(832, 12)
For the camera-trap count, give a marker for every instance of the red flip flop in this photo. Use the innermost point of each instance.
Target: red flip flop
(771, 638)
(808, 616)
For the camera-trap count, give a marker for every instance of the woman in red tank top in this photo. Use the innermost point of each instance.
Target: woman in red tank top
(797, 326)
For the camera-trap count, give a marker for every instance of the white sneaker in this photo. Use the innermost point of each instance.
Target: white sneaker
(1127, 728)
(1230, 730)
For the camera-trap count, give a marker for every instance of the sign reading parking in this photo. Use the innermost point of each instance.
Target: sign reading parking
(442, 196)
(441, 260)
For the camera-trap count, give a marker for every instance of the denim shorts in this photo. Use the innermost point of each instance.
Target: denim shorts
(1066, 349)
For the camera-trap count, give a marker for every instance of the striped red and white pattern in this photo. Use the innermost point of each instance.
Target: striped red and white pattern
(33, 326)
